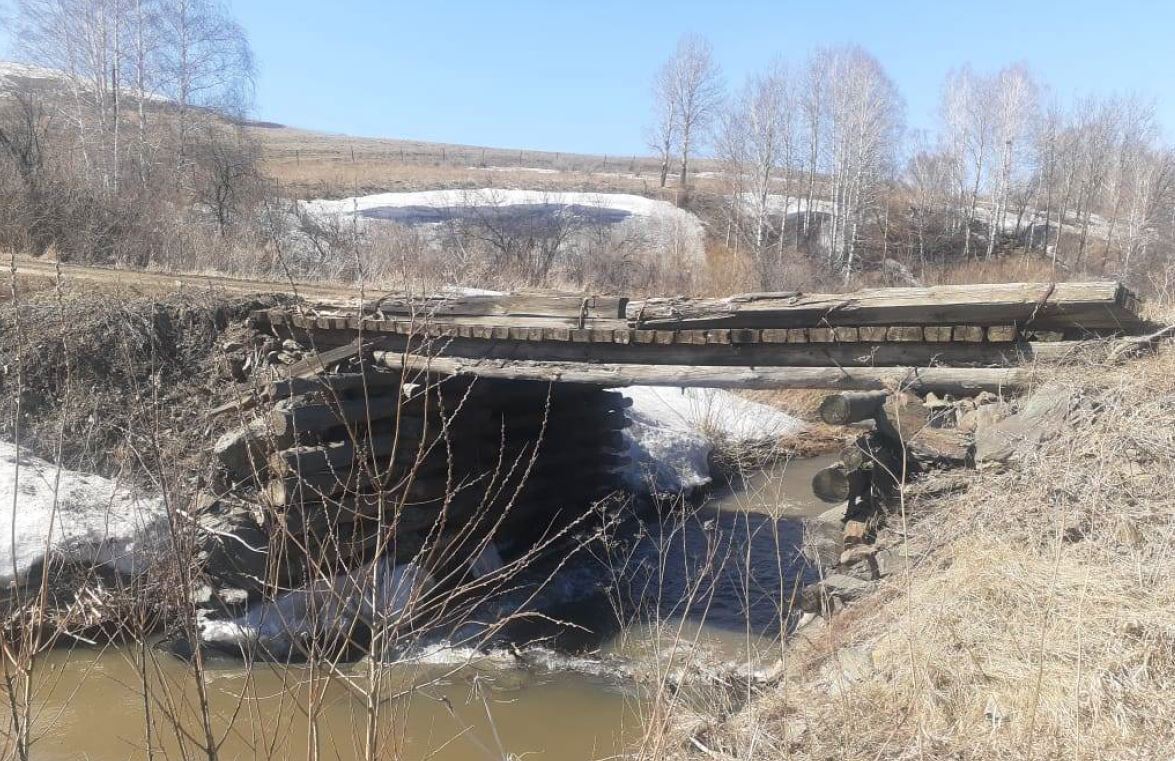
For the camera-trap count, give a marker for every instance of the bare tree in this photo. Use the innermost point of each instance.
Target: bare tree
(755, 143)
(662, 134)
(1014, 101)
(690, 86)
(968, 137)
(205, 61)
(864, 121)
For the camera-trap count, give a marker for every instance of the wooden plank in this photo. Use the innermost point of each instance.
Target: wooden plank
(901, 353)
(820, 335)
(320, 361)
(940, 333)
(774, 335)
(1094, 305)
(522, 304)
(872, 333)
(846, 334)
(744, 336)
(940, 379)
(904, 333)
(797, 335)
(1001, 333)
(967, 333)
(601, 335)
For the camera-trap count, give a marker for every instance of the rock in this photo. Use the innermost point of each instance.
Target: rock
(235, 550)
(847, 667)
(833, 515)
(232, 346)
(833, 592)
(1040, 418)
(871, 562)
(292, 346)
(984, 416)
(71, 518)
(932, 402)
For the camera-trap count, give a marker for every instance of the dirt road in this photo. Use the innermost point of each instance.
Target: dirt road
(171, 282)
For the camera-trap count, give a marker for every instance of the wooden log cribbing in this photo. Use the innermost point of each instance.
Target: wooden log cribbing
(851, 407)
(1092, 305)
(387, 451)
(940, 379)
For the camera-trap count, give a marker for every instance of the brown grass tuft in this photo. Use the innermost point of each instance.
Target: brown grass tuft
(1032, 618)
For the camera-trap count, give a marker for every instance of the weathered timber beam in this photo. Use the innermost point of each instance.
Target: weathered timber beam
(759, 354)
(1095, 305)
(851, 407)
(943, 379)
(569, 305)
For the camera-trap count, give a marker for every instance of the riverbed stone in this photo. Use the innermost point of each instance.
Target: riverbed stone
(832, 592)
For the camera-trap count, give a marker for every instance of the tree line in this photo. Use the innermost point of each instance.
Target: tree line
(134, 148)
(816, 157)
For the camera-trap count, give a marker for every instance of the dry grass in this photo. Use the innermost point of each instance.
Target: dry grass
(1033, 618)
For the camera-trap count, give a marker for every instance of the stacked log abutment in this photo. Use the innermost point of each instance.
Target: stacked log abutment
(902, 436)
(327, 473)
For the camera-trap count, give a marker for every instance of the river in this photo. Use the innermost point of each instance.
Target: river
(719, 580)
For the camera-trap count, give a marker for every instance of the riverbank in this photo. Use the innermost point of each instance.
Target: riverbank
(1028, 612)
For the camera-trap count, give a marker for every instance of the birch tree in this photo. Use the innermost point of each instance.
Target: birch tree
(864, 121)
(967, 130)
(1014, 100)
(756, 144)
(690, 83)
(662, 133)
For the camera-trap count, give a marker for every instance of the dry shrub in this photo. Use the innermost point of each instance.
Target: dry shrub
(108, 384)
(1029, 267)
(1033, 617)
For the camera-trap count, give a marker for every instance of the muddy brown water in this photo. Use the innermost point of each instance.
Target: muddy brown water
(464, 706)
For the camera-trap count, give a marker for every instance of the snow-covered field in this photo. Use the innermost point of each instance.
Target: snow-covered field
(662, 224)
(10, 70)
(73, 517)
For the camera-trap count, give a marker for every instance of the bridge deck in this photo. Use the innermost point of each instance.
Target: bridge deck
(776, 340)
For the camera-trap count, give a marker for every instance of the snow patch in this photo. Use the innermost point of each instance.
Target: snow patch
(75, 518)
(673, 432)
(663, 224)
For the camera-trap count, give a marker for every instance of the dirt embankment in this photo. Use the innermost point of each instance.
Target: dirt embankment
(1027, 611)
(118, 385)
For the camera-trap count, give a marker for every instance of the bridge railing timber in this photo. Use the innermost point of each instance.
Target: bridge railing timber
(946, 337)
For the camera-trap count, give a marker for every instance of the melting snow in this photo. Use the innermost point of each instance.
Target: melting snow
(674, 430)
(78, 518)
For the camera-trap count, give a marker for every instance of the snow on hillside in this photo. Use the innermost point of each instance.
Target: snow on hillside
(663, 223)
(10, 70)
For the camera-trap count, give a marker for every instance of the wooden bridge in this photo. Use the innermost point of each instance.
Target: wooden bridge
(945, 338)
(425, 428)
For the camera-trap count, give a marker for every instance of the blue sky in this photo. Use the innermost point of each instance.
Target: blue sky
(574, 76)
